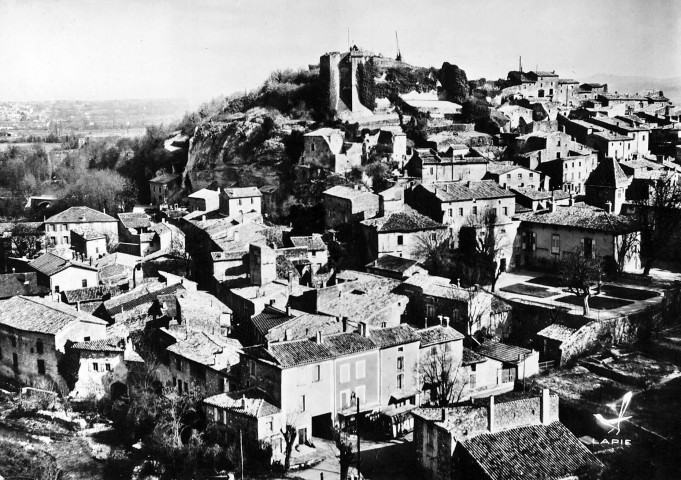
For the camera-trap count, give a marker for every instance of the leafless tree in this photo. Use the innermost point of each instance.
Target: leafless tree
(477, 308)
(625, 245)
(658, 217)
(345, 453)
(290, 432)
(445, 375)
(488, 243)
(578, 272)
(431, 248)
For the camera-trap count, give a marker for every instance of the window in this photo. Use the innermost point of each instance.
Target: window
(520, 175)
(400, 381)
(555, 244)
(107, 367)
(41, 366)
(316, 373)
(270, 424)
(252, 201)
(251, 365)
(56, 289)
(449, 212)
(86, 339)
(14, 342)
(471, 381)
(430, 435)
(360, 368)
(345, 373)
(95, 366)
(448, 346)
(400, 363)
(400, 240)
(39, 347)
(475, 210)
(312, 147)
(66, 239)
(84, 283)
(531, 175)
(508, 175)
(239, 201)
(461, 212)
(178, 364)
(505, 210)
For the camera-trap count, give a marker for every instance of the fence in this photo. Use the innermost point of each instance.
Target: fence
(545, 367)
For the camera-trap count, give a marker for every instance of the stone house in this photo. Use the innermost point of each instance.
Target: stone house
(544, 237)
(640, 133)
(235, 202)
(58, 227)
(569, 173)
(59, 274)
(317, 252)
(515, 176)
(326, 148)
(482, 376)
(401, 234)
(550, 341)
(539, 199)
(391, 200)
(610, 144)
(437, 342)
(88, 243)
(399, 268)
(449, 441)
(26, 284)
(432, 167)
(606, 186)
(204, 200)
(134, 234)
(434, 300)
(198, 361)
(34, 332)
(163, 187)
(248, 414)
(200, 311)
(459, 204)
(345, 205)
(104, 366)
(279, 325)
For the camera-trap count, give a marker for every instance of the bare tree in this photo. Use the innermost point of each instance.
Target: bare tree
(290, 432)
(25, 240)
(658, 217)
(626, 245)
(345, 454)
(431, 249)
(445, 375)
(578, 272)
(489, 244)
(477, 308)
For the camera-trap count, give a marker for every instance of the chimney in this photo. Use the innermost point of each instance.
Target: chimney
(545, 412)
(439, 318)
(271, 302)
(14, 270)
(446, 322)
(444, 414)
(345, 324)
(571, 202)
(319, 338)
(287, 334)
(163, 220)
(458, 282)
(608, 206)
(363, 329)
(490, 414)
(288, 310)
(203, 218)
(243, 401)
(78, 306)
(552, 206)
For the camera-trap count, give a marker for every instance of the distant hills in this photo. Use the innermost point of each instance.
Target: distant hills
(631, 84)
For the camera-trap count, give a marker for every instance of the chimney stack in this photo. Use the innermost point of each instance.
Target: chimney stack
(545, 412)
(439, 318)
(608, 206)
(490, 414)
(288, 310)
(243, 401)
(319, 338)
(552, 206)
(446, 321)
(444, 414)
(345, 324)
(78, 306)
(363, 331)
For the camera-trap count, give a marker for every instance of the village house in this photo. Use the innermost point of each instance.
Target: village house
(399, 268)
(489, 441)
(279, 325)
(539, 199)
(163, 187)
(345, 205)
(606, 186)
(204, 200)
(34, 332)
(246, 416)
(134, 234)
(326, 148)
(458, 204)
(517, 362)
(392, 142)
(88, 299)
(235, 202)
(569, 173)
(639, 133)
(59, 274)
(440, 350)
(402, 234)
(432, 167)
(58, 227)
(317, 252)
(545, 236)
(88, 243)
(550, 341)
(515, 176)
(390, 200)
(483, 376)
(20, 239)
(200, 311)
(136, 303)
(103, 367)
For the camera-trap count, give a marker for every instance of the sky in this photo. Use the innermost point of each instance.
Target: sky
(199, 49)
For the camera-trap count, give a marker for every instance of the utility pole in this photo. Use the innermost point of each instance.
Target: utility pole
(358, 447)
(241, 449)
(399, 54)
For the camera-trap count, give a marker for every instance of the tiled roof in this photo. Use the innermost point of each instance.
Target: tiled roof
(134, 220)
(42, 316)
(206, 349)
(608, 173)
(545, 74)
(438, 334)
(498, 168)
(137, 298)
(165, 178)
(200, 309)
(80, 215)
(580, 216)
(458, 192)
(13, 284)
(312, 242)
(243, 192)
(294, 353)
(342, 191)
(250, 402)
(393, 193)
(268, 319)
(348, 343)
(403, 222)
(391, 336)
(502, 352)
(112, 344)
(91, 294)
(556, 331)
(549, 452)
(205, 193)
(50, 264)
(470, 357)
(488, 189)
(440, 287)
(392, 263)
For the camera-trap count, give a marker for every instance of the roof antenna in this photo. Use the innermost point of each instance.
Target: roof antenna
(520, 64)
(399, 54)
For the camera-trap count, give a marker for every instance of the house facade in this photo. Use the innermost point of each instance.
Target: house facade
(58, 227)
(344, 205)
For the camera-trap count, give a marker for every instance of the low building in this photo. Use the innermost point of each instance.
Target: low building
(204, 200)
(540, 199)
(59, 274)
(345, 205)
(326, 148)
(236, 202)
(515, 176)
(606, 186)
(34, 333)
(401, 234)
(551, 340)
(391, 266)
(200, 311)
(317, 252)
(26, 284)
(517, 362)
(432, 167)
(88, 243)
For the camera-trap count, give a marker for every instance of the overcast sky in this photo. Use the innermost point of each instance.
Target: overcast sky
(198, 49)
